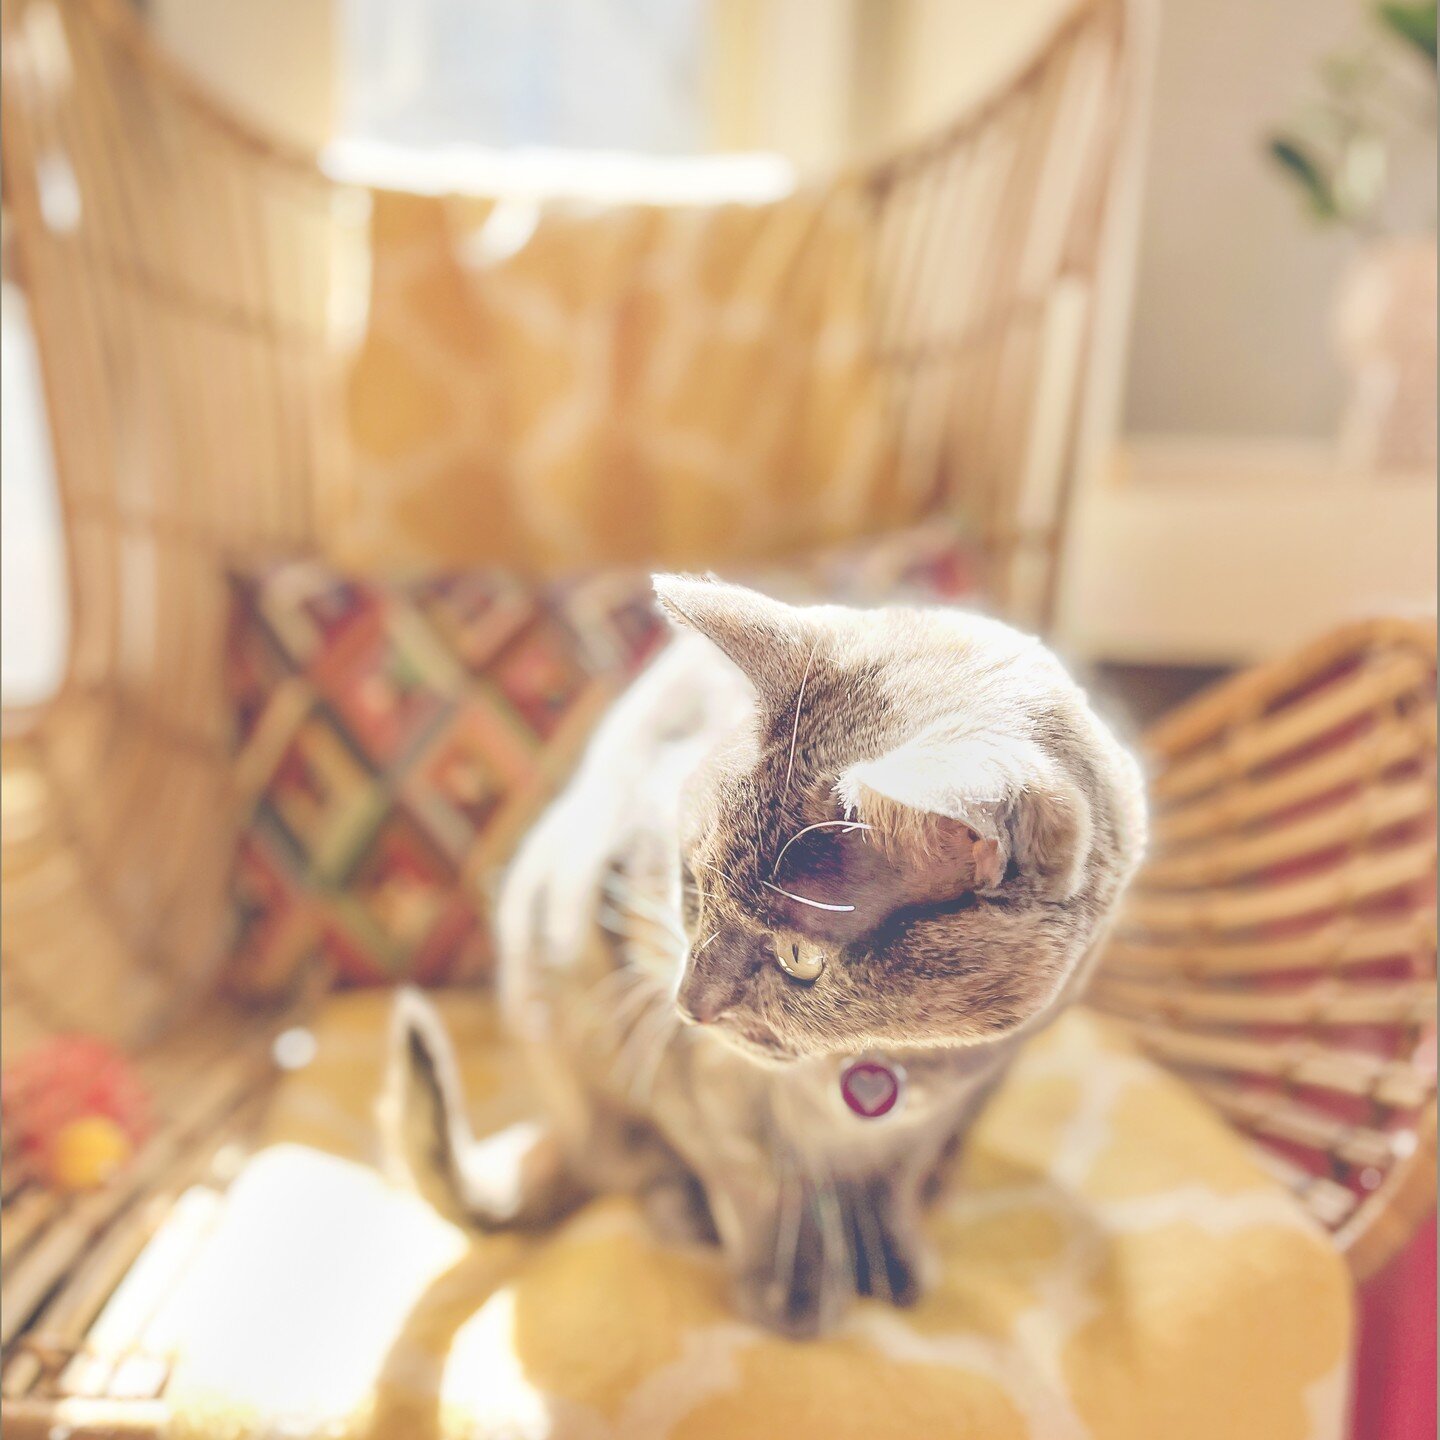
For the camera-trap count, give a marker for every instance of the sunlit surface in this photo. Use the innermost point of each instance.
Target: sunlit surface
(277, 1345)
(528, 173)
(294, 1048)
(34, 608)
(1104, 1222)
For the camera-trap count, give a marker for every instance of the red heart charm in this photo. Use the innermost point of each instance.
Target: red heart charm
(871, 1089)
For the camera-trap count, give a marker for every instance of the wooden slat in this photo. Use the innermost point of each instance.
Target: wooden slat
(1380, 682)
(1276, 1115)
(1336, 945)
(81, 1419)
(1393, 742)
(168, 1071)
(1252, 691)
(1239, 908)
(47, 1262)
(25, 1217)
(1330, 1203)
(92, 1283)
(1350, 822)
(1346, 1072)
(1326, 1003)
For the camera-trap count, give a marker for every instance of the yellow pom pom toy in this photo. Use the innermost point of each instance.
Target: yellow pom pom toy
(87, 1152)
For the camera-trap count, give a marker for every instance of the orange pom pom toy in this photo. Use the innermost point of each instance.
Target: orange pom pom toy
(75, 1108)
(87, 1152)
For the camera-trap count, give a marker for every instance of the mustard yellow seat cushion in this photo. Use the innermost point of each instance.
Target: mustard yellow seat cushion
(1115, 1268)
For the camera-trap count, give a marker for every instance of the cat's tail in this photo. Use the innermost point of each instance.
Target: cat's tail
(515, 1177)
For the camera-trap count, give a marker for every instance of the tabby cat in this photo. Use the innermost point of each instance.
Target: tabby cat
(821, 872)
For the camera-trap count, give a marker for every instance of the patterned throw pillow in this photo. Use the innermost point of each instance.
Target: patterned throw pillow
(395, 740)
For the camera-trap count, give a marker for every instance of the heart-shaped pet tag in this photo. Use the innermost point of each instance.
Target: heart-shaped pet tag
(871, 1088)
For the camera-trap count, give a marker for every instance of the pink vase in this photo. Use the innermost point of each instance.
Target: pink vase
(1385, 335)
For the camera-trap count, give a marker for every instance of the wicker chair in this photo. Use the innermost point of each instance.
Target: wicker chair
(1278, 948)
(181, 273)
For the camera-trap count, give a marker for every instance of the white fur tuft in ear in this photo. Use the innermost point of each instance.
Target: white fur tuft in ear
(1016, 800)
(765, 638)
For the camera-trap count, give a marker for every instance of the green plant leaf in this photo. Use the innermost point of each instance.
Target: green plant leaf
(1292, 157)
(1414, 23)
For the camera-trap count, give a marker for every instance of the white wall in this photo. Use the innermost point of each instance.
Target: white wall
(1233, 293)
(923, 61)
(273, 60)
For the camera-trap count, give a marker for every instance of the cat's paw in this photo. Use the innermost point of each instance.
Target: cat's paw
(800, 1308)
(677, 1212)
(908, 1267)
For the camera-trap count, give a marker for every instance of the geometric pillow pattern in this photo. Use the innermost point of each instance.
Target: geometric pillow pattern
(393, 740)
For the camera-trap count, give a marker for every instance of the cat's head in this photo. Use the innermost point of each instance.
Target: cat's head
(891, 853)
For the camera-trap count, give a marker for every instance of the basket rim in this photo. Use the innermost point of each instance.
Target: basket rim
(1210, 712)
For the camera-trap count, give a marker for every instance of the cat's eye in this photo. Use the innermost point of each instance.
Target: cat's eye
(800, 959)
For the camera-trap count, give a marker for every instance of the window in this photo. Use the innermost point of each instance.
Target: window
(569, 74)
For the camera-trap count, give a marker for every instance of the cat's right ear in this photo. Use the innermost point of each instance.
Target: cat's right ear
(767, 639)
(1005, 792)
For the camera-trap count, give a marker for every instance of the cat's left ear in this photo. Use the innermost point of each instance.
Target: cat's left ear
(766, 638)
(1023, 810)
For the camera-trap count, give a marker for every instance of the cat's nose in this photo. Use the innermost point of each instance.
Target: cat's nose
(703, 999)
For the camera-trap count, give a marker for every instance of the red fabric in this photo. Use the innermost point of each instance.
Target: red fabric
(1395, 1380)
(70, 1077)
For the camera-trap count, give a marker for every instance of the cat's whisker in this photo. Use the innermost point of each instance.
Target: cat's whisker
(848, 825)
(643, 1086)
(646, 937)
(654, 956)
(632, 1008)
(657, 966)
(707, 941)
(631, 897)
(640, 908)
(706, 865)
(622, 1067)
(629, 1001)
(652, 1037)
(795, 729)
(617, 922)
(621, 979)
(805, 899)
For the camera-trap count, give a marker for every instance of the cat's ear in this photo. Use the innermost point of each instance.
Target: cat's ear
(1023, 811)
(766, 639)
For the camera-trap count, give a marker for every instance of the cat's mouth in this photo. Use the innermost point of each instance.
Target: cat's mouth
(755, 1041)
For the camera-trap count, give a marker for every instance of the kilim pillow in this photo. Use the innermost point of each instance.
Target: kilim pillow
(395, 739)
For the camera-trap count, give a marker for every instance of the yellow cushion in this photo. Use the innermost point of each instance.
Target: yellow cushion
(1115, 1266)
(690, 384)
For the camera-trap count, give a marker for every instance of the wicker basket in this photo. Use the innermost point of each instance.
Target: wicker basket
(1278, 948)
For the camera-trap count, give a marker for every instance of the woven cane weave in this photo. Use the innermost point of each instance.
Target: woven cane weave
(1279, 946)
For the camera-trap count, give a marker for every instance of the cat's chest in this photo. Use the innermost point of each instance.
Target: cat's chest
(847, 1112)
